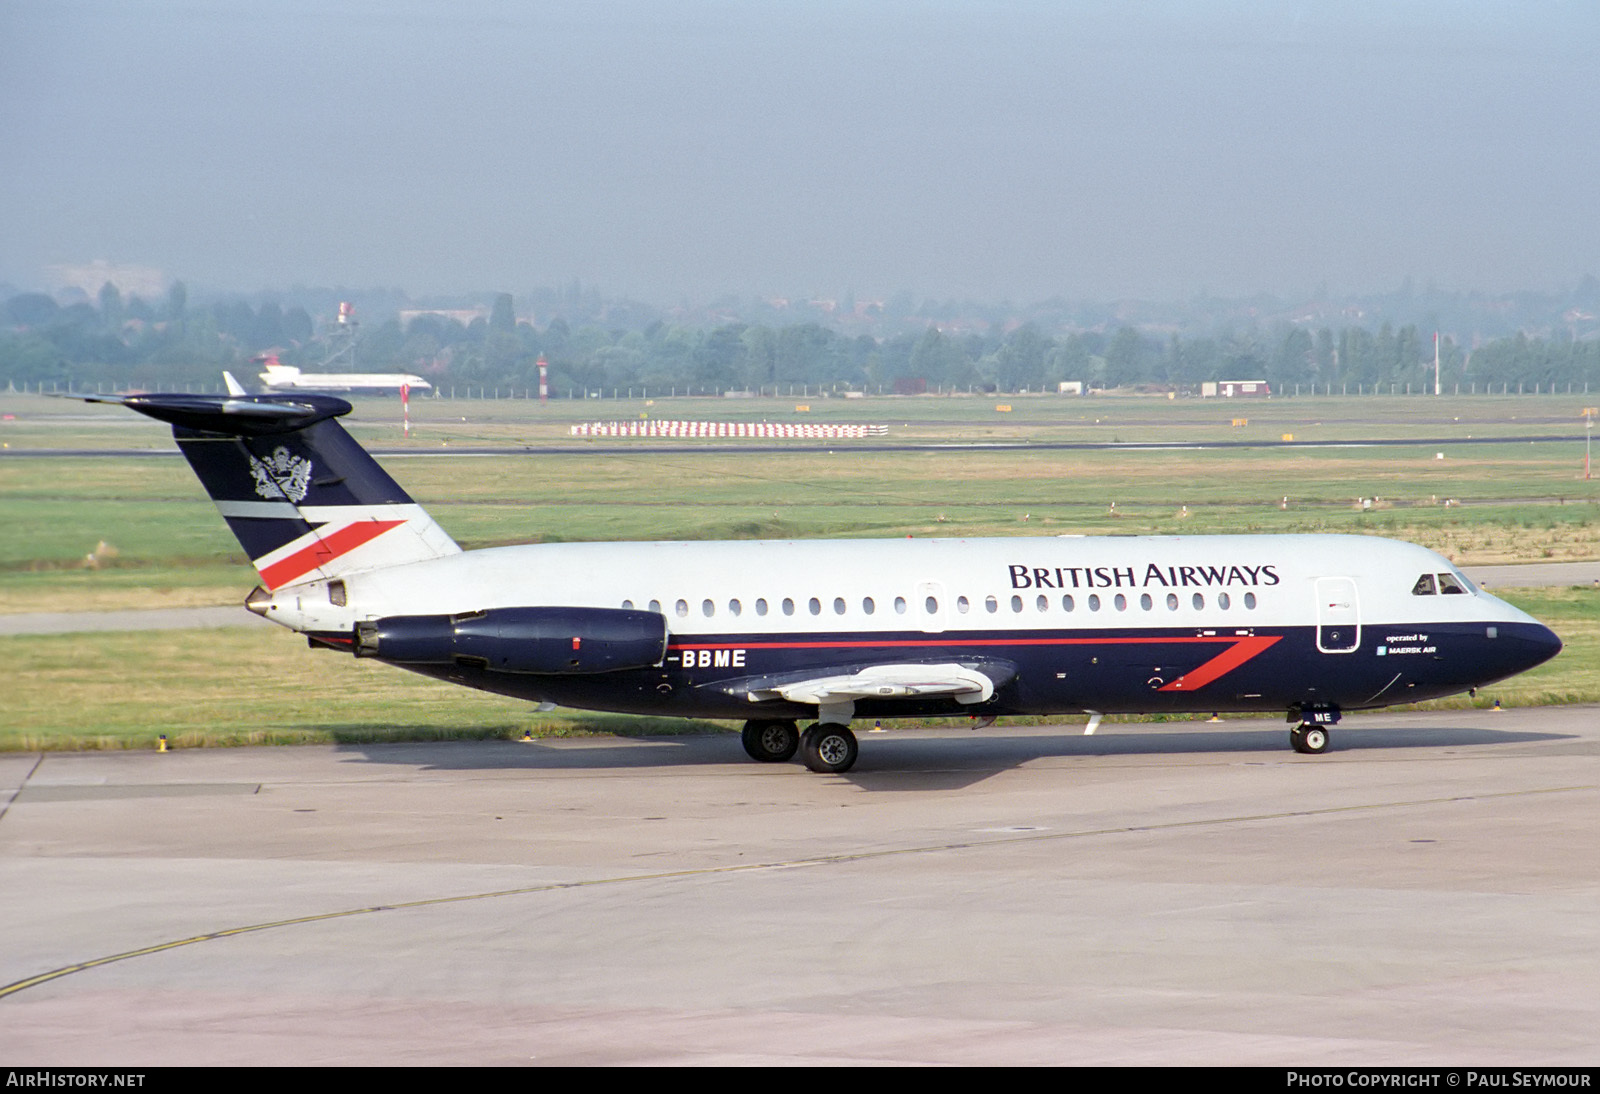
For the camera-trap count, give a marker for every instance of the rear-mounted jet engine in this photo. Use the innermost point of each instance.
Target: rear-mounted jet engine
(540, 641)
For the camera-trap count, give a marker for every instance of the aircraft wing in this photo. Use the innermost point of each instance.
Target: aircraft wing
(836, 691)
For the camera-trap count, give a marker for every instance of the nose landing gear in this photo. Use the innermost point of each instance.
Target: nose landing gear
(1310, 737)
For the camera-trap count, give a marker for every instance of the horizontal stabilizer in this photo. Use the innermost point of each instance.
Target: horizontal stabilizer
(237, 415)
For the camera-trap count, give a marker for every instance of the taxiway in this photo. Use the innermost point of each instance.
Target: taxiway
(1153, 894)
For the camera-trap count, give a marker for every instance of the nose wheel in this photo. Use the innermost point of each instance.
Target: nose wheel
(1309, 740)
(828, 749)
(1310, 737)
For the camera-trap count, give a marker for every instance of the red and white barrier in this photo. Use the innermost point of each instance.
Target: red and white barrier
(772, 430)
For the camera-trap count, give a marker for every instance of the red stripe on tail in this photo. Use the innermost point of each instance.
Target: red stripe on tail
(324, 550)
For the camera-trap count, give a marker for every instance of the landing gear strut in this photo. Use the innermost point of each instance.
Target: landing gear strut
(770, 742)
(828, 749)
(1310, 737)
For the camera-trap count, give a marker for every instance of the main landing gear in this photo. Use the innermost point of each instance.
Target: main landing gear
(1310, 737)
(771, 742)
(823, 747)
(828, 749)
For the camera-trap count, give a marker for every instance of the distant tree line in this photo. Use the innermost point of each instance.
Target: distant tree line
(119, 342)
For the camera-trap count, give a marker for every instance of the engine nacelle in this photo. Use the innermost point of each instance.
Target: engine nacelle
(544, 641)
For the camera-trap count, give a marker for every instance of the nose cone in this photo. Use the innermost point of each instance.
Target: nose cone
(1524, 645)
(1545, 643)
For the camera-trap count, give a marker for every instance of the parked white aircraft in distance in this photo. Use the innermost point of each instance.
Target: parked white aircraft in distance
(776, 632)
(277, 377)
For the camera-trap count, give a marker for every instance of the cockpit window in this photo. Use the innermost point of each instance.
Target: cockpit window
(1449, 584)
(1424, 586)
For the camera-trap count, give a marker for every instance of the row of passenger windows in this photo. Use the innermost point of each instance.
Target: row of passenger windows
(930, 605)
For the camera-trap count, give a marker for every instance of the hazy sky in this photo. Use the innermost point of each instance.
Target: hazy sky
(690, 147)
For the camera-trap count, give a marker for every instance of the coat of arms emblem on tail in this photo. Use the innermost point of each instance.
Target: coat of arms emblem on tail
(282, 475)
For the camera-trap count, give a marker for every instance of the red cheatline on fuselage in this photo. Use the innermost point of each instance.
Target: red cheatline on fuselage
(1241, 648)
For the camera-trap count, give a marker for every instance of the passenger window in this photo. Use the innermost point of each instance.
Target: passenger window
(1145, 602)
(1448, 584)
(1016, 603)
(1121, 602)
(900, 605)
(867, 605)
(1223, 601)
(627, 605)
(682, 607)
(962, 605)
(761, 605)
(1250, 601)
(1043, 603)
(991, 605)
(708, 609)
(1199, 602)
(1094, 602)
(1066, 604)
(788, 606)
(838, 605)
(1424, 586)
(1172, 602)
(734, 607)
(655, 605)
(931, 606)
(815, 605)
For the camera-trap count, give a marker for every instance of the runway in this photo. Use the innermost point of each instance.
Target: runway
(845, 445)
(1424, 894)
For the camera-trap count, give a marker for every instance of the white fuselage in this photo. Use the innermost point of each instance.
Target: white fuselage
(930, 585)
(290, 378)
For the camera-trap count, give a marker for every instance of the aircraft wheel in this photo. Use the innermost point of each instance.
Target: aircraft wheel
(770, 742)
(1311, 740)
(829, 749)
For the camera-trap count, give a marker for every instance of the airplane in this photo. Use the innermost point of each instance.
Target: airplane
(280, 377)
(829, 631)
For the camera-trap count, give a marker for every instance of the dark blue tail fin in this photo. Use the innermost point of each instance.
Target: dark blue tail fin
(302, 497)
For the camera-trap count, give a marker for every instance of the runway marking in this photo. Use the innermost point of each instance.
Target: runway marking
(815, 860)
(21, 786)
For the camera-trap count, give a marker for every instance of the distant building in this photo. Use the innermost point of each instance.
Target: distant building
(464, 316)
(1232, 389)
(1071, 387)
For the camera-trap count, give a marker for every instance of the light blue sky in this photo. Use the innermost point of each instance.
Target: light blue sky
(990, 150)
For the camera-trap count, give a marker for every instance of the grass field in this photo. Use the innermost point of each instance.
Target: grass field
(39, 422)
(95, 533)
